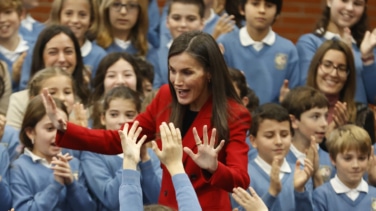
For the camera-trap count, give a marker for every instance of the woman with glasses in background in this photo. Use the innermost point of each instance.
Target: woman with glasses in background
(332, 71)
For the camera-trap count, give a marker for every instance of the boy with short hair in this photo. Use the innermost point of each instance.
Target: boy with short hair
(12, 44)
(277, 182)
(266, 58)
(349, 148)
(308, 109)
(183, 16)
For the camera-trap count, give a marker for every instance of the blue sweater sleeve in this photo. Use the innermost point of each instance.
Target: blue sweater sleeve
(150, 182)
(303, 201)
(185, 194)
(26, 68)
(101, 181)
(130, 192)
(306, 46)
(268, 199)
(369, 76)
(5, 195)
(78, 197)
(319, 202)
(293, 71)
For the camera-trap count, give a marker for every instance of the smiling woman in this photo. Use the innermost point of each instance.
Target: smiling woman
(201, 101)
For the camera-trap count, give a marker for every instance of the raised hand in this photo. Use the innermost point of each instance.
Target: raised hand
(275, 186)
(224, 25)
(62, 170)
(207, 154)
(131, 147)
(340, 117)
(347, 37)
(284, 90)
(52, 112)
(80, 115)
(301, 176)
(171, 154)
(368, 44)
(250, 202)
(313, 156)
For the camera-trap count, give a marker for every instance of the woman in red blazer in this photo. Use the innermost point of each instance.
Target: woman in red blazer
(200, 95)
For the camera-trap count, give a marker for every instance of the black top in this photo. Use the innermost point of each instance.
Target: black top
(188, 119)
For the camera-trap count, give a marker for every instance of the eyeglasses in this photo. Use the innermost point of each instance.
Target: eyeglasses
(328, 67)
(129, 7)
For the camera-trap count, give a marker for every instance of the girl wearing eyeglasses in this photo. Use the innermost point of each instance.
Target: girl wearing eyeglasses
(332, 71)
(124, 27)
(346, 21)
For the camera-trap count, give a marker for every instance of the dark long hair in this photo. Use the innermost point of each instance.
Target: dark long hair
(38, 63)
(205, 50)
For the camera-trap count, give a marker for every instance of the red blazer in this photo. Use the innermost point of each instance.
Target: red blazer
(212, 190)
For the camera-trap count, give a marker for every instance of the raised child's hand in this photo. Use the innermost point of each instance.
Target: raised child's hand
(275, 186)
(171, 154)
(250, 202)
(301, 176)
(52, 112)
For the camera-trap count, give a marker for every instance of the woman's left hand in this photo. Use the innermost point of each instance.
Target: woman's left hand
(207, 154)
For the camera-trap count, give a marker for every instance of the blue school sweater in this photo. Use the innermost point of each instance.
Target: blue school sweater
(291, 159)
(264, 70)
(285, 200)
(326, 199)
(326, 168)
(252, 152)
(103, 173)
(151, 56)
(161, 77)
(153, 31)
(130, 192)
(32, 35)
(365, 92)
(5, 194)
(93, 59)
(10, 141)
(34, 188)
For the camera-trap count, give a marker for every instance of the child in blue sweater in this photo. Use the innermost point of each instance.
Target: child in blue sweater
(183, 16)
(308, 109)
(30, 28)
(272, 177)
(42, 178)
(12, 44)
(104, 172)
(266, 58)
(349, 148)
(130, 193)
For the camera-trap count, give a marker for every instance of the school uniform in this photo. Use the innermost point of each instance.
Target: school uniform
(161, 77)
(365, 86)
(30, 28)
(326, 168)
(40, 191)
(104, 174)
(10, 141)
(5, 194)
(9, 57)
(265, 64)
(126, 46)
(92, 55)
(232, 159)
(294, 155)
(334, 195)
(130, 192)
(259, 172)
(154, 19)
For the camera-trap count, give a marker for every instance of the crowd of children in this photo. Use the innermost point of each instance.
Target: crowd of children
(199, 105)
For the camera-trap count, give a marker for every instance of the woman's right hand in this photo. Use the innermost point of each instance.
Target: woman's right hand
(52, 111)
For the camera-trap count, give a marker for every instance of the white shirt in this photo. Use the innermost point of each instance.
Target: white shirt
(285, 168)
(13, 55)
(36, 159)
(330, 35)
(28, 22)
(246, 40)
(86, 48)
(123, 44)
(353, 194)
(298, 154)
(169, 44)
